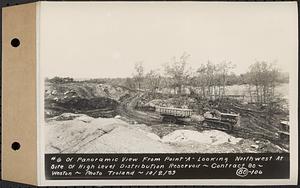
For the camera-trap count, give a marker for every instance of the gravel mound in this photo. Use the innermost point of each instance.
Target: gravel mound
(79, 133)
(213, 137)
(100, 135)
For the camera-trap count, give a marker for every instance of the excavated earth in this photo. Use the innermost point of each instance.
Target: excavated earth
(95, 100)
(98, 118)
(79, 133)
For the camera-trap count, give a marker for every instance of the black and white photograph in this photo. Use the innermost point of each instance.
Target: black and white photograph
(184, 82)
(168, 78)
(177, 110)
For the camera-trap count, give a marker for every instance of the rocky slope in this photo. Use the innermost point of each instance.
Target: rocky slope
(79, 133)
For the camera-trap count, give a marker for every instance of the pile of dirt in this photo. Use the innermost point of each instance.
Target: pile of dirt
(96, 100)
(71, 116)
(95, 107)
(244, 146)
(100, 135)
(213, 137)
(213, 141)
(84, 90)
(79, 133)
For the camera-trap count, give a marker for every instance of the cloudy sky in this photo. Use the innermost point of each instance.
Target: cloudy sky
(94, 39)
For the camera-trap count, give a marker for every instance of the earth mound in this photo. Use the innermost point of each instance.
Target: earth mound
(79, 133)
(95, 100)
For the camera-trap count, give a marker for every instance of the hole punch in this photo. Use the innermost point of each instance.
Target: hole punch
(15, 146)
(15, 42)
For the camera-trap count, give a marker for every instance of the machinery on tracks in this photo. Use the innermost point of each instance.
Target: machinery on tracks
(222, 121)
(215, 119)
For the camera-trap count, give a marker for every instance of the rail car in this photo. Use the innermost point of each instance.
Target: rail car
(174, 115)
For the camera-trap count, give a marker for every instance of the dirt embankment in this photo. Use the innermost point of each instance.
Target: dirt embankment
(86, 102)
(96, 100)
(79, 133)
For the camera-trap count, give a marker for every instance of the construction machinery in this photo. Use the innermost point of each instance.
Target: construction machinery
(174, 115)
(213, 118)
(223, 121)
(284, 130)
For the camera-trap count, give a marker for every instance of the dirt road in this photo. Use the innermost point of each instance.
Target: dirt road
(126, 109)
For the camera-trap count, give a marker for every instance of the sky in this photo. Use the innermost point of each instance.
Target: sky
(97, 40)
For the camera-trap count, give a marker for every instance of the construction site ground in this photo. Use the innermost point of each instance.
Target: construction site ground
(129, 129)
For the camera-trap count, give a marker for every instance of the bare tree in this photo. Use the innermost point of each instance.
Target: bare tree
(264, 78)
(212, 78)
(153, 80)
(177, 71)
(201, 80)
(139, 74)
(207, 79)
(224, 69)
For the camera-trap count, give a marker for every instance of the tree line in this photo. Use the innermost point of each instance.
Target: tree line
(209, 80)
